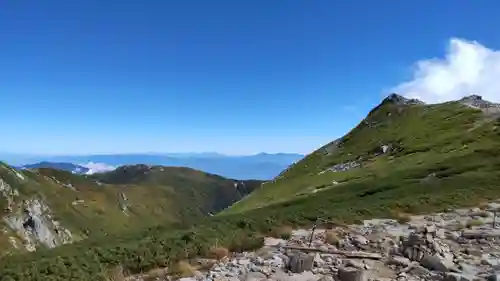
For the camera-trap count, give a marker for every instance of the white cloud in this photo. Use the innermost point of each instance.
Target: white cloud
(468, 68)
(97, 167)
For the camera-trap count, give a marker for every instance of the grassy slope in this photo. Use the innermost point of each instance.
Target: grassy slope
(449, 139)
(154, 196)
(450, 142)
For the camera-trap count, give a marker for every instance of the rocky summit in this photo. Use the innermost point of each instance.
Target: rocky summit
(458, 245)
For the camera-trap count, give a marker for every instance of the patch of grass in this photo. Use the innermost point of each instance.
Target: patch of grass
(283, 232)
(116, 273)
(332, 238)
(156, 274)
(401, 217)
(218, 253)
(483, 205)
(181, 269)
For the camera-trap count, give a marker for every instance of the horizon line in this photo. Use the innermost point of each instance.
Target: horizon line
(139, 153)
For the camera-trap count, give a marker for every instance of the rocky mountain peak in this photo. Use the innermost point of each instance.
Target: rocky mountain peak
(472, 97)
(476, 101)
(400, 100)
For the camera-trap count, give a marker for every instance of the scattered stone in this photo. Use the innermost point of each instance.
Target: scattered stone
(431, 247)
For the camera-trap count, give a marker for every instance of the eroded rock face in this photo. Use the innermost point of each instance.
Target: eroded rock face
(123, 202)
(31, 220)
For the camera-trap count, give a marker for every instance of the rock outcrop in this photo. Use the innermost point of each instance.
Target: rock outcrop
(476, 101)
(33, 223)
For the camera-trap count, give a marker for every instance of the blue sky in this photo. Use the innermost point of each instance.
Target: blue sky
(235, 77)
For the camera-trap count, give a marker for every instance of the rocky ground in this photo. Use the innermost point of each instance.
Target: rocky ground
(458, 245)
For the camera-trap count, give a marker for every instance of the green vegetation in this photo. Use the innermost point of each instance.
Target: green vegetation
(130, 198)
(442, 156)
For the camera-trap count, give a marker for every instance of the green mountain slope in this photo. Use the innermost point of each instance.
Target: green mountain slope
(400, 147)
(48, 208)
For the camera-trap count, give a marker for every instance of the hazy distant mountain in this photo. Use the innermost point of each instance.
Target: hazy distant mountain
(260, 166)
(69, 167)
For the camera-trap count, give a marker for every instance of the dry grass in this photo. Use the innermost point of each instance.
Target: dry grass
(218, 253)
(283, 232)
(483, 205)
(401, 217)
(205, 264)
(335, 224)
(182, 269)
(156, 274)
(116, 273)
(332, 238)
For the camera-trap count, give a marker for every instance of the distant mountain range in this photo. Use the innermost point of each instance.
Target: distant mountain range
(262, 166)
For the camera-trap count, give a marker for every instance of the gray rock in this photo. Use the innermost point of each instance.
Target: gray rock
(253, 276)
(435, 262)
(279, 276)
(301, 262)
(490, 261)
(494, 277)
(360, 240)
(318, 261)
(351, 274)
(430, 229)
(304, 276)
(243, 261)
(354, 263)
(419, 271)
(455, 277)
(398, 261)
